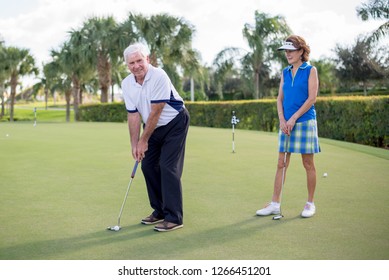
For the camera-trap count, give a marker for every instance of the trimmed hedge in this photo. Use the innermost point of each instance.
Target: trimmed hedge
(362, 120)
(252, 115)
(106, 112)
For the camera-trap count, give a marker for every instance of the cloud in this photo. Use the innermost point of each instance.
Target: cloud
(41, 25)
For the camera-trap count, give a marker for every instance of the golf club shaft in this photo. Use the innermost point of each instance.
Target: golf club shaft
(284, 169)
(128, 189)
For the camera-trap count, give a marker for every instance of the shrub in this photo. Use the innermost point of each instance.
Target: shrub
(107, 112)
(363, 120)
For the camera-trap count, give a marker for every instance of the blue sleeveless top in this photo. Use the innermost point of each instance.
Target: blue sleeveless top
(296, 92)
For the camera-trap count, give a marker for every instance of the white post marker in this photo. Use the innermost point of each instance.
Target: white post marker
(34, 116)
(234, 122)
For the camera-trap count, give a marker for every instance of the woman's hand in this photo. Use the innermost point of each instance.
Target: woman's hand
(283, 126)
(290, 124)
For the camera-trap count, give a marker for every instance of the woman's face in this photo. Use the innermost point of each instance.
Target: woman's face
(293, 56)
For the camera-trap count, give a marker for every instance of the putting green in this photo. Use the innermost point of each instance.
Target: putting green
(62, 184)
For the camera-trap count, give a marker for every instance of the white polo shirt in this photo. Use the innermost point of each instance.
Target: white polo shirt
(156, 88)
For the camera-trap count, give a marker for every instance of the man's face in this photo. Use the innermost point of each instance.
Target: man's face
(138, 65)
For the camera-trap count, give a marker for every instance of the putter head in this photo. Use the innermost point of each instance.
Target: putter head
(278, 217)
(114, 228)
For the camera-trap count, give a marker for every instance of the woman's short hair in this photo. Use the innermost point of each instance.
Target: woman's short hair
(300, 44)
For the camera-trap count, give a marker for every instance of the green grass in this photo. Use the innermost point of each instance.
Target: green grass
(62, 184)
(53, 113)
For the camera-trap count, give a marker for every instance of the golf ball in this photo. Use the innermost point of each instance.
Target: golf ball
(7, 135)
(116, 228)
(325, 175)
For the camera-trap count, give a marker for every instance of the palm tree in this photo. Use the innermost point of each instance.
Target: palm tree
(73, 64)
(48, 82)
(60, 79)
(100, 43)
(37, 87)
(378, 10)
(326, 71)
(169, 39)
(358, 64)
(226, 65)
(50, 73)
(189, 63)
(4, 73)
(20, 63)
(119, 72)
(263, 39)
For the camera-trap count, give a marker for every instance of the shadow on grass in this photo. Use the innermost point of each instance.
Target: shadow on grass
(140, 242)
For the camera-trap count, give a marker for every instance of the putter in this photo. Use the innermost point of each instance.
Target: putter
(279, 216)
(117, 227)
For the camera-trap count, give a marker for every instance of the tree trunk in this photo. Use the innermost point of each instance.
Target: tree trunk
(68, 94)
(81, 96)
(192, 97)
(104, 73)
(153, 59)
(220, 90)
(104, 94)
(256, 79)
(46, 96)
(364, 88)
(112, 93)
(2, 100)
(76, 95)
(14, 82)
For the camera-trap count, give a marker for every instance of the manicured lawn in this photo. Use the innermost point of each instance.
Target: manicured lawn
(28, 112)
(62, 184)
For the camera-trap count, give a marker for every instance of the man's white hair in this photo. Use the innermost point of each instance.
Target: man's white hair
(136, 48)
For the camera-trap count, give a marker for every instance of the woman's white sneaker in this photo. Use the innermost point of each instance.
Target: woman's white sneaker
(272, 208)
(309, 210)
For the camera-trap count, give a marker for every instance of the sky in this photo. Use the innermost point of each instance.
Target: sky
(42, 25)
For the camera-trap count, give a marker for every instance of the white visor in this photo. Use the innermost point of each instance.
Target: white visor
(287, 46)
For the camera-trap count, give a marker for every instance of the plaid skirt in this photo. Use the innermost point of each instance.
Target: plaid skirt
(303, 139)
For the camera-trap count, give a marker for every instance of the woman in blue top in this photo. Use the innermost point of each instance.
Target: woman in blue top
(296, 111)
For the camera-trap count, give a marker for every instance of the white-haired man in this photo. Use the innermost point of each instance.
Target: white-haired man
(151, 98)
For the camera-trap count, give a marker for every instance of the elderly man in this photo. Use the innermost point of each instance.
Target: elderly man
(151, 98)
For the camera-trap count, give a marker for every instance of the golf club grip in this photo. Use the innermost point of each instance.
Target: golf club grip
(134, 169)
(287, 143)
